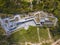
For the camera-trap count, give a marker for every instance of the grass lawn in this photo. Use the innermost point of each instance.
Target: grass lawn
(56, 37)
(2, 31)
(25, 35)
(29, 35)
(43, 34)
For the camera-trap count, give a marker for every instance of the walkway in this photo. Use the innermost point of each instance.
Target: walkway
(38, 34)
(55, 43)
(49, 33)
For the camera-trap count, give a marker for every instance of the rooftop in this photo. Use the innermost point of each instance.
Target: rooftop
(24, 21)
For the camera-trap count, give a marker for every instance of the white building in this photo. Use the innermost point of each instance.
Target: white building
(41, 18)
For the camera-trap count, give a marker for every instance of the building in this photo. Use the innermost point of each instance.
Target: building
(37, 18)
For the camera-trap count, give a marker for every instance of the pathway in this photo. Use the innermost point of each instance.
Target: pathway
(49, 33)
(56, 42)
(38, 34)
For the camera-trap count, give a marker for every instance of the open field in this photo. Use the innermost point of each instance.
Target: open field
(43, 34)
(29, 35)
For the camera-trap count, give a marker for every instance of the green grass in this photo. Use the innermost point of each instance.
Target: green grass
(29, 35)
(43, 34)
(56, 37)
(25, 35)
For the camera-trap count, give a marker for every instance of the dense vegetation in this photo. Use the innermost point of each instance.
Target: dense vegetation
(29, 35)
(18, 6)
